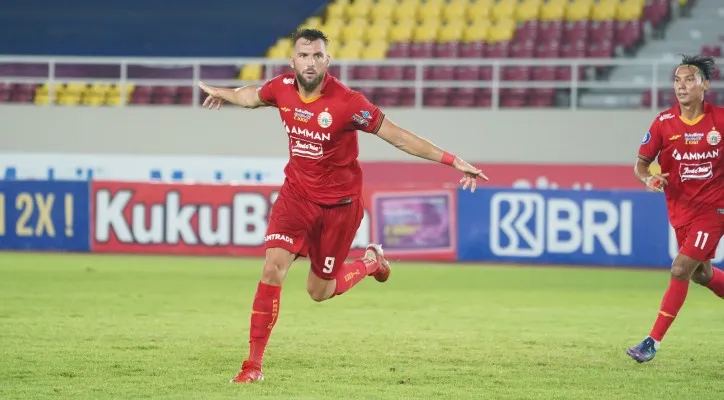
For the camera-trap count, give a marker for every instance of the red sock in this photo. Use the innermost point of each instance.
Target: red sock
(264, 314)
(716, 283)
(670, 305)
(352, 273)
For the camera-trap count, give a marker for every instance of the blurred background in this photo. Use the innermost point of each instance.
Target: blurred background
(544, 95)
(105, 150)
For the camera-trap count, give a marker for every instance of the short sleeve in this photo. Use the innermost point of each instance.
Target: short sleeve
(267, 93)
(364, 115)
(651, 142)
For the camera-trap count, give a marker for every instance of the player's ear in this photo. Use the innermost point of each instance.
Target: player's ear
(705, 85)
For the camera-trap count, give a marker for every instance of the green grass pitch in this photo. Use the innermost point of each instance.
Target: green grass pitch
(132, 327)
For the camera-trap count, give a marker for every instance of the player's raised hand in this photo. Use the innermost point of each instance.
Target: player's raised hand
(470, 174)
(212, 100)
(656, 182)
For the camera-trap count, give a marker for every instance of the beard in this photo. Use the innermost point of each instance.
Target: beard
(309, 85)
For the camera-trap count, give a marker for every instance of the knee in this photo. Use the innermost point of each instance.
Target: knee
(317, 295)
(316, 292)
(320, 290)
(275, 270)
(681, 271)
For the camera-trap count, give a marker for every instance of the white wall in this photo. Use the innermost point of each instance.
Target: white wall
(535, 136)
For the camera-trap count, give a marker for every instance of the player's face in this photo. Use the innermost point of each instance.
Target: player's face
(310, 61)
(689, 85)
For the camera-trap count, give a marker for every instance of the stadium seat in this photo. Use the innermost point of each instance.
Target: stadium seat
(480, 10)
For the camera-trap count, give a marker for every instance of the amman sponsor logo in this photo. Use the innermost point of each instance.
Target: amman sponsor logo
(695, 156)
(307, 134)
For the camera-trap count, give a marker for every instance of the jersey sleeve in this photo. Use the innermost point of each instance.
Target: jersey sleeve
(364, 115)
(267, 93)
(651, 142)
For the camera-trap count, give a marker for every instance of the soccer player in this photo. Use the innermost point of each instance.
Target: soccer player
(687, 141)
(319, 207)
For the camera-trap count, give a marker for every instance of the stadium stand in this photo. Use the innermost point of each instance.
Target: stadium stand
(371, 31)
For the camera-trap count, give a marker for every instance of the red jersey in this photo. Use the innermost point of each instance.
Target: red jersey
(322, 132)
(692, 153)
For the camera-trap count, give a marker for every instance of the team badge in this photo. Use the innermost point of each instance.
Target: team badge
(713, 138)
(324, 119)
(647, 138)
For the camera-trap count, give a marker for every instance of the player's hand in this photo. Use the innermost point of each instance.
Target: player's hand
(470, 174)
(656, 182)
(212, 100)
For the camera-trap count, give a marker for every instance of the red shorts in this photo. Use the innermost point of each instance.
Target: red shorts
(699, 238)
(323, 233)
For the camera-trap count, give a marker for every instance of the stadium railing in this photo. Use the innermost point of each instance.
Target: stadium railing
(658, 68)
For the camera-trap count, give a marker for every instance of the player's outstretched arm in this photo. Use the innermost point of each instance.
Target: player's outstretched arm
(420, 147)
(245, 96)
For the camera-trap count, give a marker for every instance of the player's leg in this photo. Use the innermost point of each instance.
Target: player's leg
(696, 247)
(330, 275)
(711, 277)
(286, 238)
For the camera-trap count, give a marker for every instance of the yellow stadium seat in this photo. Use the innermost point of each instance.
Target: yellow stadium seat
(504, 9)
(337, 9)
(382, 10)
(250, 72)
(477, 32)
(579, 10)
(311, 23)
(502, 31)
(528, 10)
(350, 51)
(426, 32)
(451, 32)
(355, 30)
(41, 99)
(553, 11)
(479, 10)
(379, 30)
(604, 10)
(454, 12)
(402, 31)
(375, 51)
(333, 48)
(430, 10)
(113, 97)
(96, 94)
(359, 9)
(405, 11)
(630, 10)
(333, 29)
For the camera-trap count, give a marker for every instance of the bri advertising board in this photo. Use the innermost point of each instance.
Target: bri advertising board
(603, 228)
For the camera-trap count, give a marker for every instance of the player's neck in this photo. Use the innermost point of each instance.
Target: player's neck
(692, 111)
(305, 94)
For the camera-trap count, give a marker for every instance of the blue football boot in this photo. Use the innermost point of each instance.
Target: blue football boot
(644, 351)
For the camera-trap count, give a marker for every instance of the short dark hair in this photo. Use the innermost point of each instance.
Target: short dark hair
(705, 65)
(309, 34)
